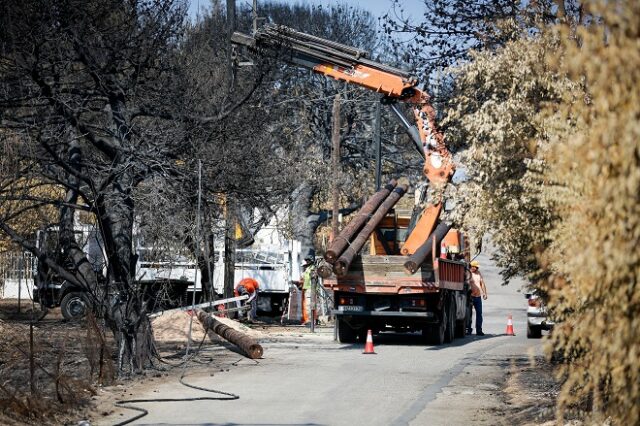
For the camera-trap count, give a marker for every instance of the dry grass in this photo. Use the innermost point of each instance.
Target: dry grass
(49, 369)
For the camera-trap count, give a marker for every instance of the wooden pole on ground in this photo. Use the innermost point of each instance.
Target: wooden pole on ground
(248, 345)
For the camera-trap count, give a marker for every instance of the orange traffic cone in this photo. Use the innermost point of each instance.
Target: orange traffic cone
(510, 326)
(443, 250)
(368, 347)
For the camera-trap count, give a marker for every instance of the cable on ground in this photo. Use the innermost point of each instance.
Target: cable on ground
(143, 412)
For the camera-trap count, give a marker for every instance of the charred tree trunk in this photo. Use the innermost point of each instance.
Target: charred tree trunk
(82, 269)
(127, 315)
(305, 223)
(204, 263)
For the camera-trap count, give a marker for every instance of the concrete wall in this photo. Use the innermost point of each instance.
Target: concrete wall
(9, 289)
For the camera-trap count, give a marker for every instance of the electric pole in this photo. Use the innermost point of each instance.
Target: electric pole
(230, 206)
(335, 164)
(378, 145)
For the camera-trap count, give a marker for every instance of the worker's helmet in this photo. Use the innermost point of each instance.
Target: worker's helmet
(475, 264)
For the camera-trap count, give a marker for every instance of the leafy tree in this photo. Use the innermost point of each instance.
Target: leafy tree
(493, 120)
(594, 181)
(551, 122)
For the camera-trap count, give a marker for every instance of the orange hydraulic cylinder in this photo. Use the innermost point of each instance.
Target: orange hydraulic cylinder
(423, 229)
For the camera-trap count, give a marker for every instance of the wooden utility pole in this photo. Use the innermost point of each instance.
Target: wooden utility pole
(254, 16)
(231, 27)
(229, 247)
(335, 164)
(230, 206)
(378, 145)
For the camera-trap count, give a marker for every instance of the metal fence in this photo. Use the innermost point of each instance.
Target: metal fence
(15, 266)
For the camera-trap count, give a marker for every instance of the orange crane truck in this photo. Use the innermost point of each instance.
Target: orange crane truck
(415, 277)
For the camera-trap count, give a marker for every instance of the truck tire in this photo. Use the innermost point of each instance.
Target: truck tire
(461, 325)
(450, 310)
(534, 332)
(435, 334)
(74, 305)
(362, 334)
(346, 334)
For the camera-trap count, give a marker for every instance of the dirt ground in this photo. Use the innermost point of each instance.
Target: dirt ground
(70, 379)
(68, 384)
(48, 370)
(529, 393)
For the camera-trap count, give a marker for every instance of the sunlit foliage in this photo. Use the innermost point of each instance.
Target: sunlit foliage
(494, 120)
(551, 128)
(595, 176)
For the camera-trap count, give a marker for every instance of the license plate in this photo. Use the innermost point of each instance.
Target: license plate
(350, 308)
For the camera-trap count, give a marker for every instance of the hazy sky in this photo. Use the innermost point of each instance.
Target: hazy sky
(412, 8)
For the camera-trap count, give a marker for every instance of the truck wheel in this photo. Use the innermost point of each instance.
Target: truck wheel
(461, 329)
(461, 325)
(74, 305)
(435, 334)
(362, 334)
(534, 332)
(346, 334)
(450, 331)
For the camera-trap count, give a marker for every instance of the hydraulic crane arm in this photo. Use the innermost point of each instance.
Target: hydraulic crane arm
(352, 65)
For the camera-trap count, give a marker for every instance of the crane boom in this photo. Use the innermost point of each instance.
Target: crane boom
(352, 65)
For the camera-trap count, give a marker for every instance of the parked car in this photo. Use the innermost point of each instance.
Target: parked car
(536, 316)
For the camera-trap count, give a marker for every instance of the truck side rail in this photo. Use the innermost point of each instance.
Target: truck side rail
(386, 274)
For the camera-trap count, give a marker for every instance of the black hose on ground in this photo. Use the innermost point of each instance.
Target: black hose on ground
(143, 412)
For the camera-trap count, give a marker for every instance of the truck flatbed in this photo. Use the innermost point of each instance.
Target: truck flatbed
(386, 274)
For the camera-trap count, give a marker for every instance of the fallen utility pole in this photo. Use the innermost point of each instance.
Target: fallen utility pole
(344, 261)
(418, 258)
(201, 305)
(340, 243)
(248, 345)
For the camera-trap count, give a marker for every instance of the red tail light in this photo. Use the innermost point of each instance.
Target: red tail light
(534, 302)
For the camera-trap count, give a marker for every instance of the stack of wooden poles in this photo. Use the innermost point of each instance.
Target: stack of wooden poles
(348, 243)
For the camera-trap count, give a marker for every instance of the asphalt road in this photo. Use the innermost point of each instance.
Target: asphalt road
(307, 379)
